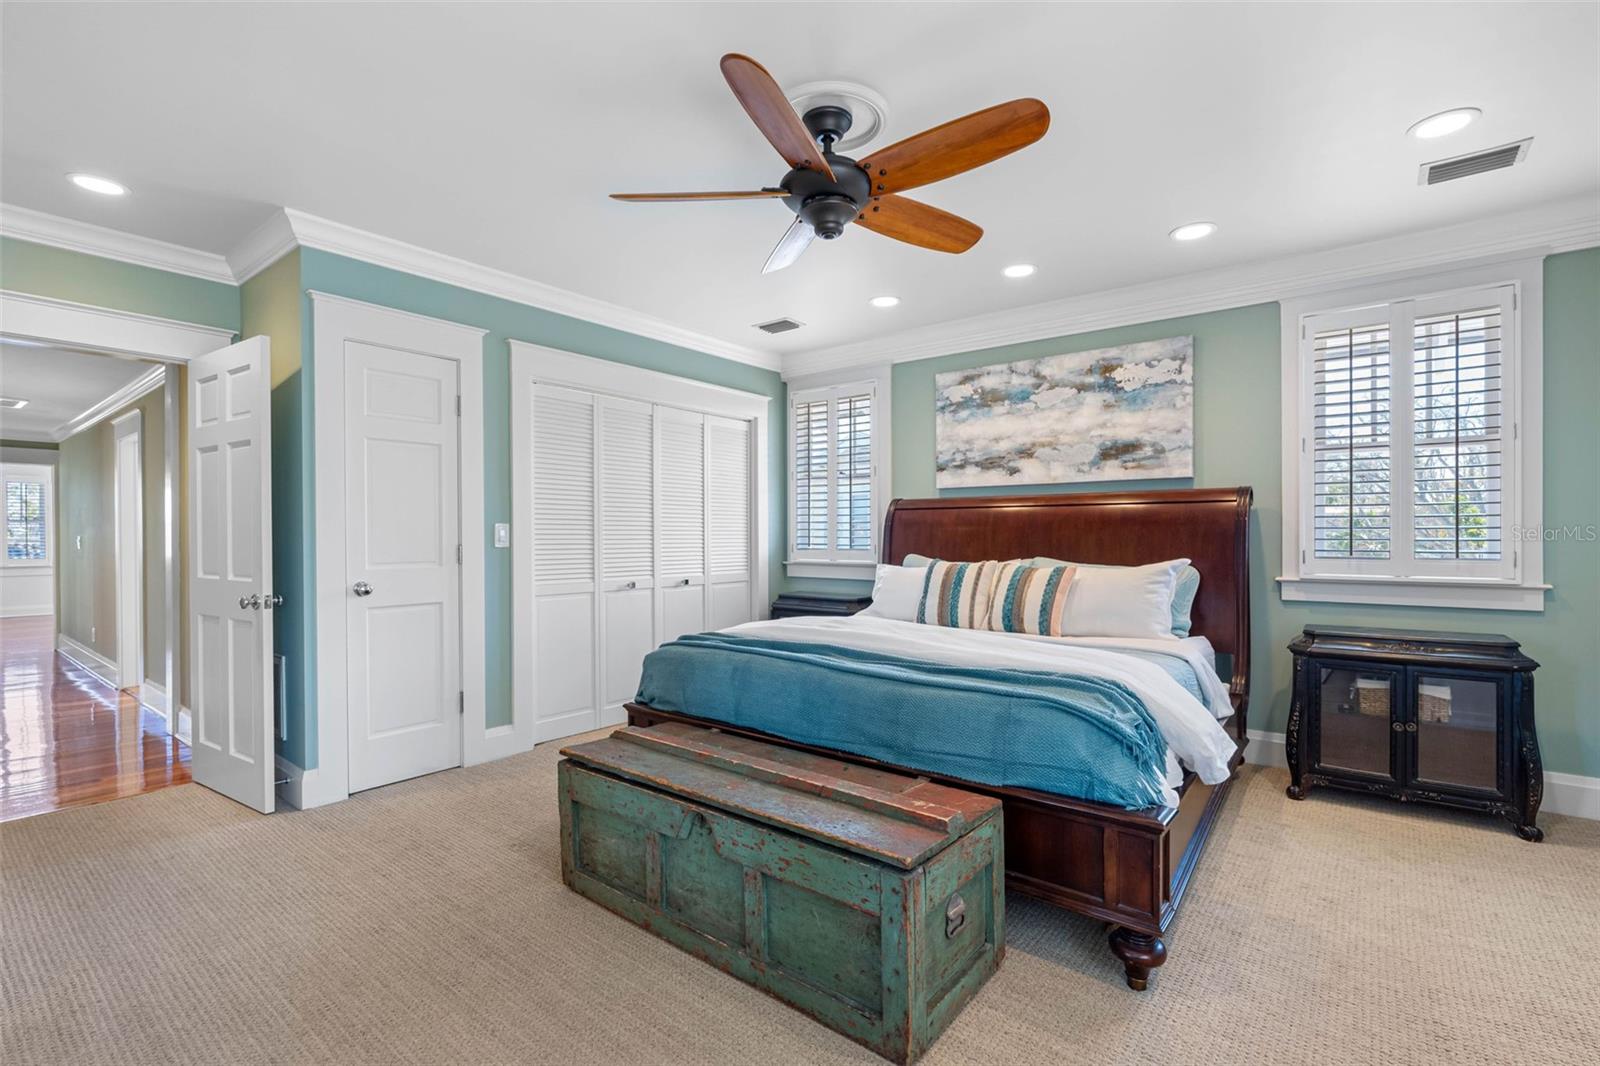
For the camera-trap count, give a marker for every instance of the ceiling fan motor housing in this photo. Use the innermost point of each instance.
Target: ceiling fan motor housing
(828, 206)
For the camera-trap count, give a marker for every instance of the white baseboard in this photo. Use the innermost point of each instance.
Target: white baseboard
(1572, 794)
(185, 730)
(102, 668)
(290, 790)
(26, 610)
(154, 696)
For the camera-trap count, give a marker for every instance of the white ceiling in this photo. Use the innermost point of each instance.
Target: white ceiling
(59, 385)
(494, 134)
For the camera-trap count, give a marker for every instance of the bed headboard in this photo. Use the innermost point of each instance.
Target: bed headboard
(1209, 526)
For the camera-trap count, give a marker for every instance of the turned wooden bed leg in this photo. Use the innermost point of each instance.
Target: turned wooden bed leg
(1140, 953)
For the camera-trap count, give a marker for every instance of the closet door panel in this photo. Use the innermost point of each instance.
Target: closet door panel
(564, 552)
(728, 521)
(680, 455)
(627, 552)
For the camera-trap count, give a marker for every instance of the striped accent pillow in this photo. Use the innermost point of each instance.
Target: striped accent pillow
(957, 594)
(1030, 599)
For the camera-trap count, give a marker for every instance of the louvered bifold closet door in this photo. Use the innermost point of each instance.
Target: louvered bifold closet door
(680, 455)
(565, 541)
(627, 550)
(728, 522)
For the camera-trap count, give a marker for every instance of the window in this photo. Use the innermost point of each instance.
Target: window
(1415, 474)
(27, 526)
(837, 478)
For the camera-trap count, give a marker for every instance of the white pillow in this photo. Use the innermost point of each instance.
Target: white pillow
(1124, 601)
(896, 592)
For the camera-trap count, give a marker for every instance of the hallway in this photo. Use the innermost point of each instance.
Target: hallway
(66, 740)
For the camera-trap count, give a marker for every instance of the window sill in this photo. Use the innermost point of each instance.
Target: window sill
(844, 571)
(1414, 592)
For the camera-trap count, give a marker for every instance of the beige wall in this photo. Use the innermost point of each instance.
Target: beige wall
(86, 592)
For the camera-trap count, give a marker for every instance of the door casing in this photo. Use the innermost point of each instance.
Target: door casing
(335, 321)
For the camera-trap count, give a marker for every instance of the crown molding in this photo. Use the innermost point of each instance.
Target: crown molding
(25, 224)
(328, 236)
(147, 382)
(1557, 227)
(266, 244)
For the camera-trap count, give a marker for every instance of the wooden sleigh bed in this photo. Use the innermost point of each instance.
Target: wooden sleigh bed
(1127, 868)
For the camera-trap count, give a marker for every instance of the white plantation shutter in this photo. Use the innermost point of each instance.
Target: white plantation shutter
(1351, 442)
(563, 485)
(853, 473)
(728, 502)
(833, 473)
(1407, 467)
(810, 422)
(627, 509)
(680, 507)
(1457, 444)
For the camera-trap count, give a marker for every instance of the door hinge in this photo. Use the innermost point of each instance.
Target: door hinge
(458, 406)
(458, 555)
(461, 703)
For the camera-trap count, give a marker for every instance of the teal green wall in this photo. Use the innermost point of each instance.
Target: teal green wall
(1237, 433)
(505, 321)
(88, 279)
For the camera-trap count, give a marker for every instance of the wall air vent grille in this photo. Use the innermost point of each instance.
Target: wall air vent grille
(1463, 166)
(779, 325)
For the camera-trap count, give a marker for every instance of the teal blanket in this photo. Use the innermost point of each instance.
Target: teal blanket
(1062, 733)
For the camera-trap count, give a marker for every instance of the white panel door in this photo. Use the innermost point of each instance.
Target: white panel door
(230, 570)
(680, 523)
(402, 564)
(626, 490)
(565, 631)
(729, 548)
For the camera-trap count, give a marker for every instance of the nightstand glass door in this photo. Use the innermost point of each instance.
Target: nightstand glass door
(1457, 731)
(1355, 709)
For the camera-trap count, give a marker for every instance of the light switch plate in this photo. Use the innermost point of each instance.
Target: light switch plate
(502, 534)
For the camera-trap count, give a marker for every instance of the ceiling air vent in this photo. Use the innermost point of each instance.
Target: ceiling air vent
(1477, 163)
(779, 325)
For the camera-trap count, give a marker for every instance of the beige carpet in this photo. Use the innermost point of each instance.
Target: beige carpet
(427, 923)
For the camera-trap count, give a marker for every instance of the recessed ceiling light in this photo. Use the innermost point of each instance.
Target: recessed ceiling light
(1193, 231)
(103, 186)
(11, 404)
(1445, 123)
(885, 301)
(1018, 270)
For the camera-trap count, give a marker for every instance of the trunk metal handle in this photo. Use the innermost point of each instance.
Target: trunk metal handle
(955, 915)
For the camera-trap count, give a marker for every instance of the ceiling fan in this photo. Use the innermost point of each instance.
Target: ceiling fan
(827, 191)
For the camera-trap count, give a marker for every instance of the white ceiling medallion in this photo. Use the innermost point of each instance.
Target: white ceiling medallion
(869, 111)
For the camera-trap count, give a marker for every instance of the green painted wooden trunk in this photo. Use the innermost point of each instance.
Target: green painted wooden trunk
(873, 901)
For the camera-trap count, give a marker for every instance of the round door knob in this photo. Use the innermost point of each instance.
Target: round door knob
(250, 603)
(271, 600)
(685, 581)
(631, 585)
(361, 588)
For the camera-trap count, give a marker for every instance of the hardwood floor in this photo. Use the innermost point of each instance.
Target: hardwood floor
(66, 739)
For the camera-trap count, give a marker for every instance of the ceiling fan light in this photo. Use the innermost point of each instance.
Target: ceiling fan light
(1193, 231)
(93, 183)
(1018, 270)
(1444, 123)
(884, 301)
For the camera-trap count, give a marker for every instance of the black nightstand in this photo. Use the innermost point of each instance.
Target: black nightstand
(796, 604)
(1426, 717)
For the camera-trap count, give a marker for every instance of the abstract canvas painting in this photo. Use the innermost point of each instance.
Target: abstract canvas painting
(1112, 414)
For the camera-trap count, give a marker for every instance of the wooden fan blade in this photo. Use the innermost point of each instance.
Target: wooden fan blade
(957, 146)
(916, 223)
(770, 110)
(667, 197)
(796, 239)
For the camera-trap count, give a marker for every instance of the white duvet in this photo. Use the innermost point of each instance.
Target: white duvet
(1192, 732)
